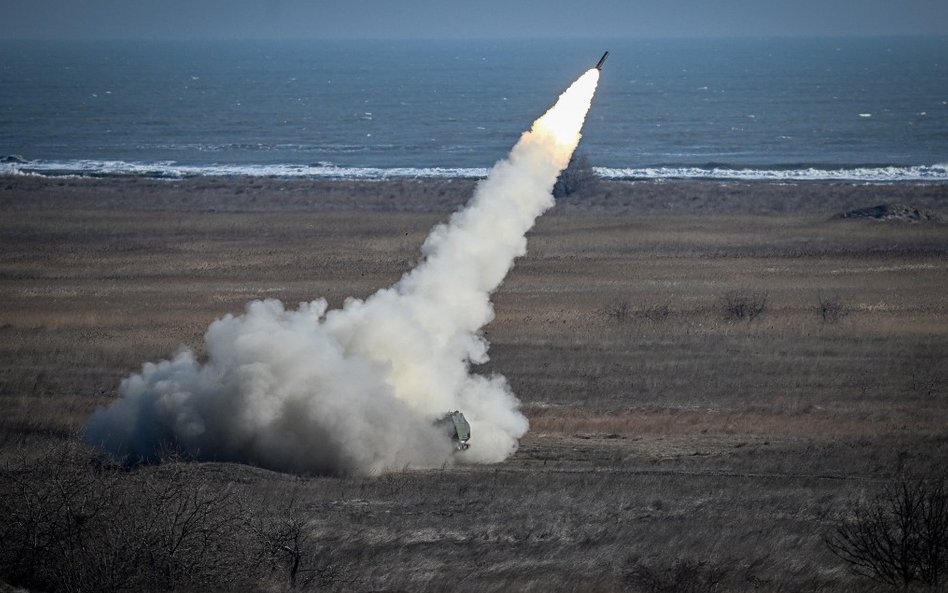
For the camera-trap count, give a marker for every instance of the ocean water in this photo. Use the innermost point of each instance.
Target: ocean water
(856, 109)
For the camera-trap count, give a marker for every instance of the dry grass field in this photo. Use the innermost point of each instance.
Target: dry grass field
(713, 372)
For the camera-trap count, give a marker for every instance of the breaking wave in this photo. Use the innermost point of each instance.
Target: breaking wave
(171, 170)
(937, 172)
(324, 170)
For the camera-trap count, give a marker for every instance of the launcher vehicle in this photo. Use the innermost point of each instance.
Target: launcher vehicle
(456, 426)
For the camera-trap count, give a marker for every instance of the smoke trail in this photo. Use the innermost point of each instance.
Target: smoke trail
(356, 390)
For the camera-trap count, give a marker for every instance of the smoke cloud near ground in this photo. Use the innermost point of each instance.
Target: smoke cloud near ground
(357, 390)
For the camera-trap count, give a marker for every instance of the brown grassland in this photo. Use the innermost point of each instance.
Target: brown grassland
(674, 444)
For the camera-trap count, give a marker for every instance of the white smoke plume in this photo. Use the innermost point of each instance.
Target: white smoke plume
(356, 390)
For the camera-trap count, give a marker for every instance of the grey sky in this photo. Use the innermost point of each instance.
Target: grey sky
(353, 19)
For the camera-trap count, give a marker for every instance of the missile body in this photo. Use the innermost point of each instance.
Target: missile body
(602, 60)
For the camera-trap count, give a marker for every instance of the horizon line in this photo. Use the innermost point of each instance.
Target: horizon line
(484, 39)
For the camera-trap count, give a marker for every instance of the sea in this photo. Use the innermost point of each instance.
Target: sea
(853, 109)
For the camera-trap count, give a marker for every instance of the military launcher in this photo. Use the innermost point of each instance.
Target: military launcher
(456, 426)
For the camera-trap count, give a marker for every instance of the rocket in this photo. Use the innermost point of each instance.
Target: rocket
(601, 60)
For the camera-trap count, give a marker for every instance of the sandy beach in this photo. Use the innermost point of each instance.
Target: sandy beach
(711, 369)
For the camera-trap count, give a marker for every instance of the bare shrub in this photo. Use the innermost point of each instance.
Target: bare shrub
(181, 530)
(682, 576)
(926, 371)
(923, 382)
(618, 310)
(50, 510)
(77, 523)
(621, 310)
(744, 304)
(831, 309)
(578, 176)
(286, 541)
(898, 538)
(655, 313)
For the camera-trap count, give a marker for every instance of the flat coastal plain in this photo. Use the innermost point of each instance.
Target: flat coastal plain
(714, 372)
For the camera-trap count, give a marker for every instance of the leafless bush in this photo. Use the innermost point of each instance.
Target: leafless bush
(48, 510)
(618, 310)
(287, 543)
(923, 382)
(744, 304)
(578, 176)
(655, 313)
(926, 371)
(76, 523)
(621, 310)
(831, 309)
(683, 576)
(898, 538)
(186, 532)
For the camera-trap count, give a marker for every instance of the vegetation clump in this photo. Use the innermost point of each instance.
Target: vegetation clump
(682, 576)
(744, 304)
(898, 538)
(831, 309)
(74, 521)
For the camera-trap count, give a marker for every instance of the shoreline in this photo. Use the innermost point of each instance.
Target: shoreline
(15, 165)
(272, 194)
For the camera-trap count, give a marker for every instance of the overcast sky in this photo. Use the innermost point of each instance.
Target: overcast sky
(421, 19)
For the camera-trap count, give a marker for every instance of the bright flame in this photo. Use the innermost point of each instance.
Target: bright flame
(565, 119)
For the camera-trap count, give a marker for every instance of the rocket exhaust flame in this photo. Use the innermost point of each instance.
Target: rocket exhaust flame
(357, 390)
